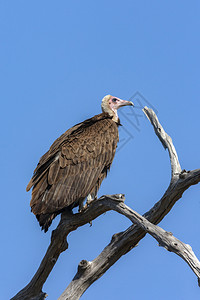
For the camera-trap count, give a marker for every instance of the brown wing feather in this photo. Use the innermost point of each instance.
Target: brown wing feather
(76, 164)
(50, 156)
(53, 172)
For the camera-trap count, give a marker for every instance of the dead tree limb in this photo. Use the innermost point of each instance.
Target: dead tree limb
(122, 242)
(165, 140)
(89, 271)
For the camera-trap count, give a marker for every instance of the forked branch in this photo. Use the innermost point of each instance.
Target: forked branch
(89, 271)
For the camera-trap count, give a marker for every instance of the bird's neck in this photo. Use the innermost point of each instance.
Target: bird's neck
(112, 113)
(115, 117)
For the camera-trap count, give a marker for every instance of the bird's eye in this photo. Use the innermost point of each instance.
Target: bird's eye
(114, 100)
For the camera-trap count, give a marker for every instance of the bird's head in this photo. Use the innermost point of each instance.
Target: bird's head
(110, 105)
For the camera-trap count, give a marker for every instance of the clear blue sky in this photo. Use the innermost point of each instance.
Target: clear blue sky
(57, 60)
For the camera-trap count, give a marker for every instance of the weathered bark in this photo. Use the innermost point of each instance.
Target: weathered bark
(89, 271)
(122, 242)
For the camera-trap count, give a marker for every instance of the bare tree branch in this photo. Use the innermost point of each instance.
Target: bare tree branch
(122, 242)
(88, 272)
(165, 140)
(164, 238)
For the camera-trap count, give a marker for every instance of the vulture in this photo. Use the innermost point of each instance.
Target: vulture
(76, 164)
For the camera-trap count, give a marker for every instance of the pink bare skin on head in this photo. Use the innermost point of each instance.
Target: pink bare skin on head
(116, 103)
(110, 105)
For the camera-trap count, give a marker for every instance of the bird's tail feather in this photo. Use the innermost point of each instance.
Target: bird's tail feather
(45, 220)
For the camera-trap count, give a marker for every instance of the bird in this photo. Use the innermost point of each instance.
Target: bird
(76, 163)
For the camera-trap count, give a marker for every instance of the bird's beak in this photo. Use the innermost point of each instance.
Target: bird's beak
(125, 103)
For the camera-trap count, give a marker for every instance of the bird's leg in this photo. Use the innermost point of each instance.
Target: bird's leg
(81, 207)
(91, 197)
